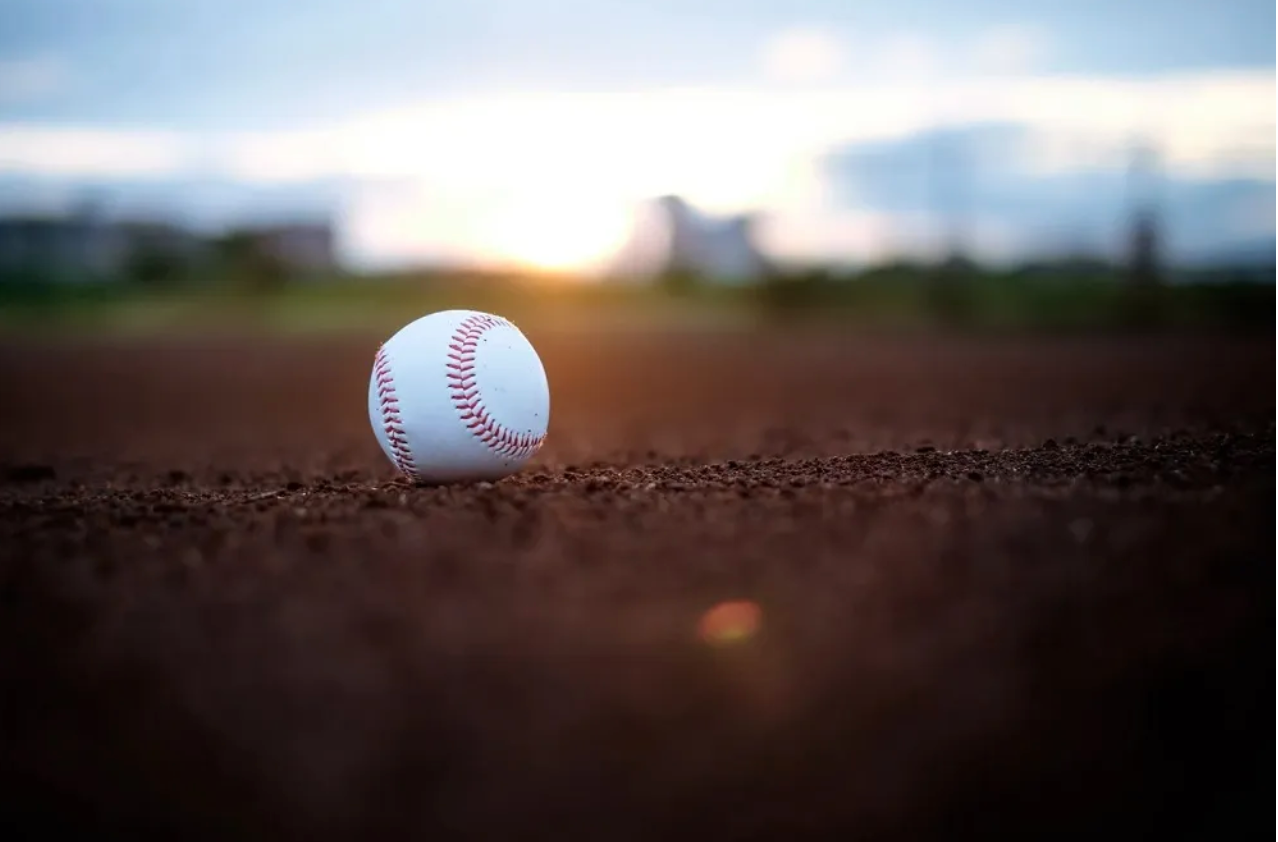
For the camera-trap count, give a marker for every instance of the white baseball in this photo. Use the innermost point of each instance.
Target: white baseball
(458, 396)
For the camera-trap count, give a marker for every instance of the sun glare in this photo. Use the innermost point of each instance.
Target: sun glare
(560, 236)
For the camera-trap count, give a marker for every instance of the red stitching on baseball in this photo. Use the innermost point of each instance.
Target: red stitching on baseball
(460, 371)
(391, 420)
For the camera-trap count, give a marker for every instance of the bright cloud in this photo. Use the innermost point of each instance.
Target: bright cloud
(908, 56)
(61, 151)
(803, 54)
(1010, 49)
(460, 176)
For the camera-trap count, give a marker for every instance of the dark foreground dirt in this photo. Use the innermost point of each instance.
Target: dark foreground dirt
(1007, 588)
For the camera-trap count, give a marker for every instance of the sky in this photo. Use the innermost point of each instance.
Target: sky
(514, 130)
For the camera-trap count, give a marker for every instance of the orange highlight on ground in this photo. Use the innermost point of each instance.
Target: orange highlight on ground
(730, 622)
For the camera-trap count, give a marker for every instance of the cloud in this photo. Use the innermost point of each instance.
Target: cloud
(1009, 49)
(62, 151)
(450, 173)
(801, 234)
(31, 78)
(985, 176)
(204, 203)
(731, 144)
(803, 54)
(908, 56)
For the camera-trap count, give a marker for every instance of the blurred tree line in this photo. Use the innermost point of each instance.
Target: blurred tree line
(237, 259)
(1138, 293)
(955, 293)
(38, 256)
(1081, 293)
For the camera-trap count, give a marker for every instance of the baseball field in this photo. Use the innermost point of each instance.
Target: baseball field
(785, 583)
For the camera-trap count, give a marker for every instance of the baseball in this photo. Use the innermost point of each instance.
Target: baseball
(458, 396)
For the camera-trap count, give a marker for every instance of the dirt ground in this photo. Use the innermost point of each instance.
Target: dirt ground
(1007, 587)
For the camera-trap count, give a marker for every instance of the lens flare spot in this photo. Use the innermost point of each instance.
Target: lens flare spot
(729, 623)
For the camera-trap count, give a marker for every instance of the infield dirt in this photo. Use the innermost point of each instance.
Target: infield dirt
(1005, 586)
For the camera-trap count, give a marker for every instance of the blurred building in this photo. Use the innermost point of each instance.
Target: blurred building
(81, 247)
(304, 248)
(86, 247)
(673, 238)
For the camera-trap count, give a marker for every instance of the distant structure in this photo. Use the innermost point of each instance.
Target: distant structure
(77, 247)
(304, 248)
(673, 239)
(1143, 256)
(1143, 267)
(87, 247)
(1144, 270)
(948, 174)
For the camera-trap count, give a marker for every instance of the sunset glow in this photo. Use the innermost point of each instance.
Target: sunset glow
(558, 235)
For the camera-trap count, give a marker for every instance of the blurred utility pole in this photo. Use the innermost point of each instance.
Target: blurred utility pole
(947, 172)
(1144, 266)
